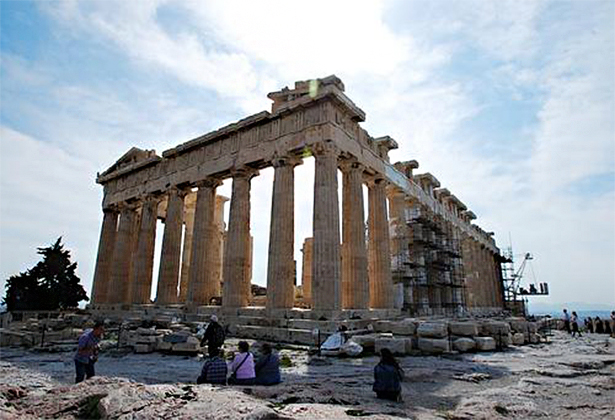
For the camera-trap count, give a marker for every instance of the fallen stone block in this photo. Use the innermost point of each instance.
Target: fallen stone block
(434, 345)
(366, 341)
(146, 331)
(495, 328)
(532, 327)
(464, 329)
(534, 338)
(395, 344)
(432, 330)
(517, 324)
(145, 339)
(518, 339)
(404, 327)
(464, 344)
(485, 343)
(383, 326)
(144, 348)
(185, 348)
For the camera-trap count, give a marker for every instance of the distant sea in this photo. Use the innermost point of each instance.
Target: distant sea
(581, 314)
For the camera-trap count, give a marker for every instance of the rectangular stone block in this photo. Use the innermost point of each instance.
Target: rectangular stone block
(394, 344)
(534, 338)
(517, 324)
(144, 348)
(464, 329)
(404, 327)
(434, 345)
(485, 343)
(518, 339)
(185, 348)
(145, 339)
(464, 344)
(495, 328)
(383, 326)
(366, 341)
(432, 330)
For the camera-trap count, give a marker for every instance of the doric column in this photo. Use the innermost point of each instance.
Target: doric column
(326, 261)
(380, 282)
(306, 271)
(237, 247)
(189, 210)
(218, 244)
(202, 283)
(102, 273)
(400, 244)
(122, 256)
(144, 256)
(281, 266)
(355, 283)
(168, 276)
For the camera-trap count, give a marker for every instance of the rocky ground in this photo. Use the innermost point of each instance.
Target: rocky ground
(564, 379)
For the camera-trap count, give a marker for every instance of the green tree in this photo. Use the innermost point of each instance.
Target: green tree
(50, 284)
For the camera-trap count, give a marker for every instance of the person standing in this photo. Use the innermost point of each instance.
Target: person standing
(214, 334)
(387, 377)
(214, 370)
(242, 366)
(567, 321)
(613, 324)
(87, 352)
(575, 324)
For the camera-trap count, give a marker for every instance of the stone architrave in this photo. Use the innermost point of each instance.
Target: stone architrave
(202, 283)
(326, 261)
(237, 285)
(144, 255)
(168, 276)
(102, 273)
(380, 282)
(281, 266)
(122, 256)
(355, 282)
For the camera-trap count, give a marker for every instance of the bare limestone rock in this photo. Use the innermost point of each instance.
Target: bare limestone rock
(464, 344)
(485, 343)
(434, 345)
(464, 329)
(432, 330)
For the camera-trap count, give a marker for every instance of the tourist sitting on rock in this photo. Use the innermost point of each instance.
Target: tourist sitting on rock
(267, 367)
(387, 377)
(242, 366)
(214, 334)
(575, 324)
(87, 352)
(214, 370)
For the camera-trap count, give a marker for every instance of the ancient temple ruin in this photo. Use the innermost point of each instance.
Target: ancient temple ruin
(416, 250)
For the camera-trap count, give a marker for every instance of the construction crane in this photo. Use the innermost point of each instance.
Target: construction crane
(512, 282)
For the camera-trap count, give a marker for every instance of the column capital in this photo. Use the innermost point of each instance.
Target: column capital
(244, 172)
(285, 160)
(376, 179)
(111, 208)
(123, 206)
(209, 182)
(325, 148)
(180, 191)
(350, 164)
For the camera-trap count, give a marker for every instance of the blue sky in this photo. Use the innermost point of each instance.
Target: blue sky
(510, 104)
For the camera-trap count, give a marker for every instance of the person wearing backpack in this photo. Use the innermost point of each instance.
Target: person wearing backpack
(214, 334)
(242, 366)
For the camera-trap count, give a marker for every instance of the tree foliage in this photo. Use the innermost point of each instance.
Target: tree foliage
(50, 284)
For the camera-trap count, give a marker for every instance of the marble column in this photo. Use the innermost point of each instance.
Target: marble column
(236, 275)
(326, 261)
(168, 276)
(202, 283)
(281, 263)
(189, 210)
(355, 282)
(400, 243)
(122, 256)
(102, 273)
(306, 271)
(144, 256)
(380, 282)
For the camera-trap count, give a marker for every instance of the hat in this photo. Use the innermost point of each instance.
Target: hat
(214, 318)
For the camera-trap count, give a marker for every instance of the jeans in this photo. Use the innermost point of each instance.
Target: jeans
(83, 370)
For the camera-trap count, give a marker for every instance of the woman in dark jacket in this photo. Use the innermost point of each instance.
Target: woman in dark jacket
(267, 367)
(387, 377)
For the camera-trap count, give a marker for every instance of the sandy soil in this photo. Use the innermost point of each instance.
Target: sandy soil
(564, 379)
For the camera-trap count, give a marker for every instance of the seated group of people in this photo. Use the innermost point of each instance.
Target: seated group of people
(243, 370)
